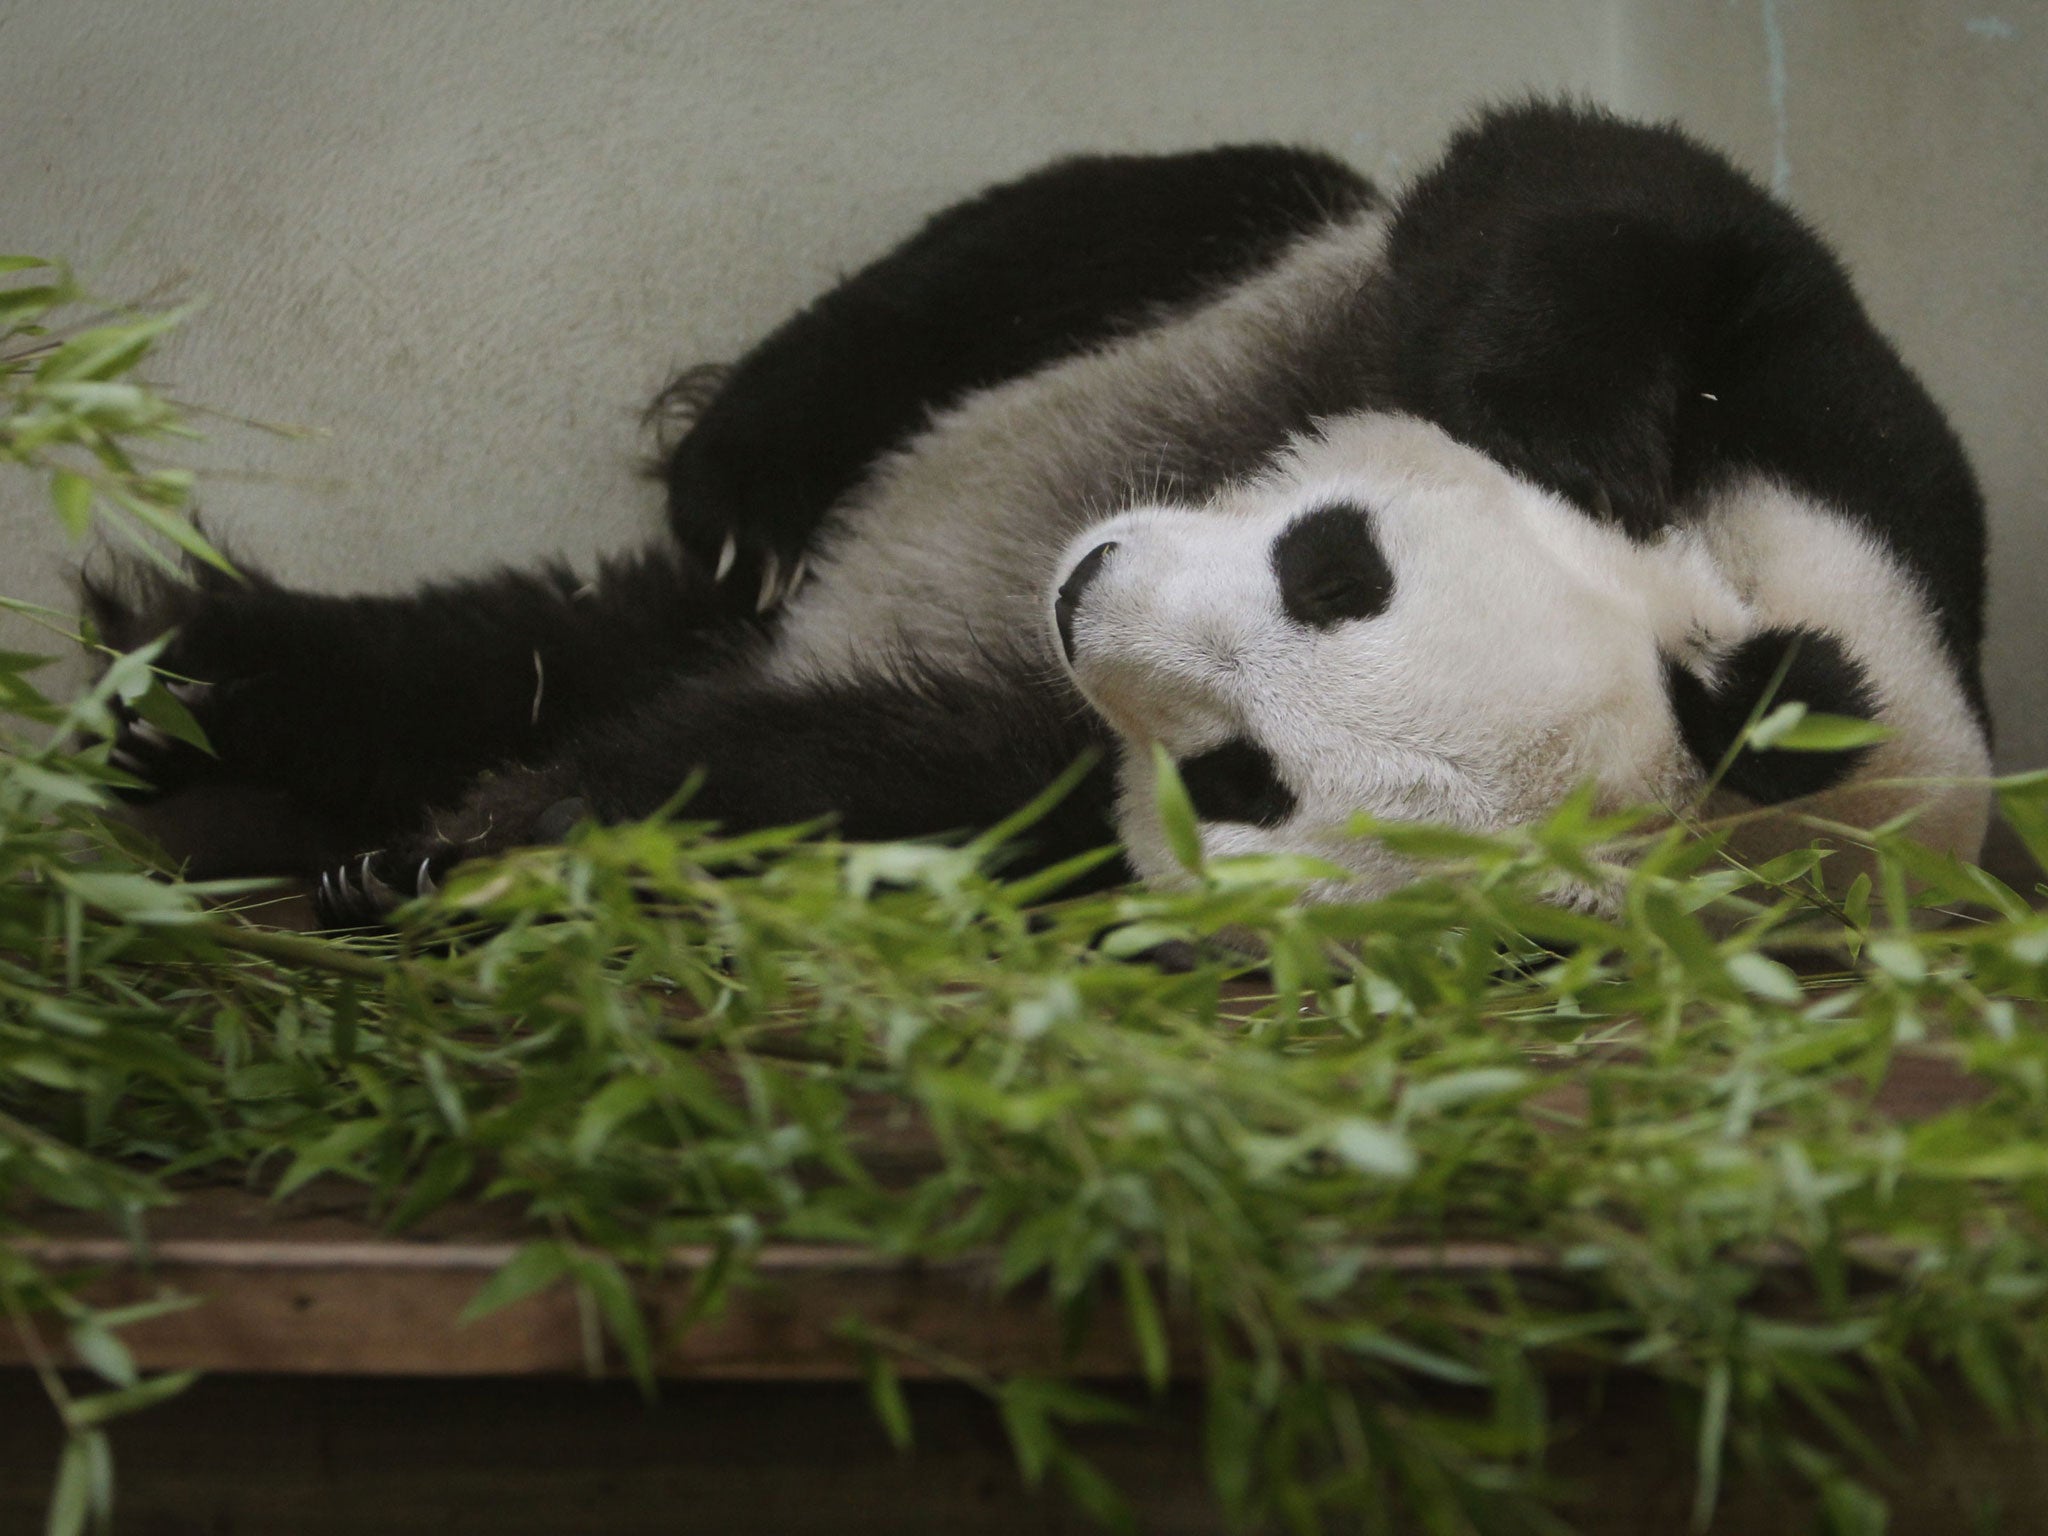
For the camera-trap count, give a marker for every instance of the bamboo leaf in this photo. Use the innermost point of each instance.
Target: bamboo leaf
(1810, 731)
(1176, 811)
(1373, 1149)
(174, 528)
(609, 1108)
(533, 1268)
(71, 1500)
(97, 1347)
(1386, 1347)
(625, 1323)
(885, 1392)
(1148, 1332)
(1713, 1441)
(1432, 1095)
(107, 1406)
(1032, 1438)
(447, 1097)
(20, 304)
(1767, 732)
(106, 351)
(1094, 1493)
(162, 709)
(71, 495)
(446, 1171)
(1764, 977)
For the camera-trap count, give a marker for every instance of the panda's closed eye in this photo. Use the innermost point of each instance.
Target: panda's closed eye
(1237, 782)
(1331, 569)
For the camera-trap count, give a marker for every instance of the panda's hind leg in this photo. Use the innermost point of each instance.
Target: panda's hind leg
(334, 721)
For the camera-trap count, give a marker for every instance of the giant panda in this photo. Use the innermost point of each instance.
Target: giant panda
(1549, 472)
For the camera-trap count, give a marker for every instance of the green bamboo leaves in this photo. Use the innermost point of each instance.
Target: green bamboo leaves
(69, 411)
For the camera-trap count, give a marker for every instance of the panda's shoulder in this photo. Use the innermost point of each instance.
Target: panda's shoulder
(1617, 310)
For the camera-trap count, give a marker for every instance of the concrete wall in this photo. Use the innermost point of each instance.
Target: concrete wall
(466, 241)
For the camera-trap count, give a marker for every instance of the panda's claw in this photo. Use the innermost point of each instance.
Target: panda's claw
(728, 552)
(152, 736)
(378, 893)
(190, 693)
(771, 592)
(797, 573)
(424, 881)
(354, 895)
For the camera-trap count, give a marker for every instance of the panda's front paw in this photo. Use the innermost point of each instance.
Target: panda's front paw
(744, 507)
(367, 889)
(518, 808)
(756, 575)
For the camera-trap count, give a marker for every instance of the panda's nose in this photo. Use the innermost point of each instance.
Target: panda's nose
(1063, 606)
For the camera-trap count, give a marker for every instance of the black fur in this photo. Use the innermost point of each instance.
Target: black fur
(1237, 782)
(890, 757)
(1331, 569)
(1777, 666)
(357, 713)
(1608, 309)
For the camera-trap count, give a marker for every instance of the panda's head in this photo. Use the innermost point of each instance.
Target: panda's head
(1388, 622)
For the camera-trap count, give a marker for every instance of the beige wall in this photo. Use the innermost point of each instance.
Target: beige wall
(467, 240)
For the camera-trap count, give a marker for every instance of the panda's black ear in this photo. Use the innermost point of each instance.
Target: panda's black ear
(1770, 668)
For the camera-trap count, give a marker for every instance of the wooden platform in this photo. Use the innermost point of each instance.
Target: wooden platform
(305, 1286)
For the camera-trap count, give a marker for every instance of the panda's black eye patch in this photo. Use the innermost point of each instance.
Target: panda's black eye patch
(1331, 568)
(1237, 782)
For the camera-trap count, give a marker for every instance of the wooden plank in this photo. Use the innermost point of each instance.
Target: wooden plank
(313, 1290)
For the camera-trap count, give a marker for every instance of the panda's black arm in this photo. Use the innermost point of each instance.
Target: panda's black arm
(886, 758)
(991, 289)
(881, 758)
